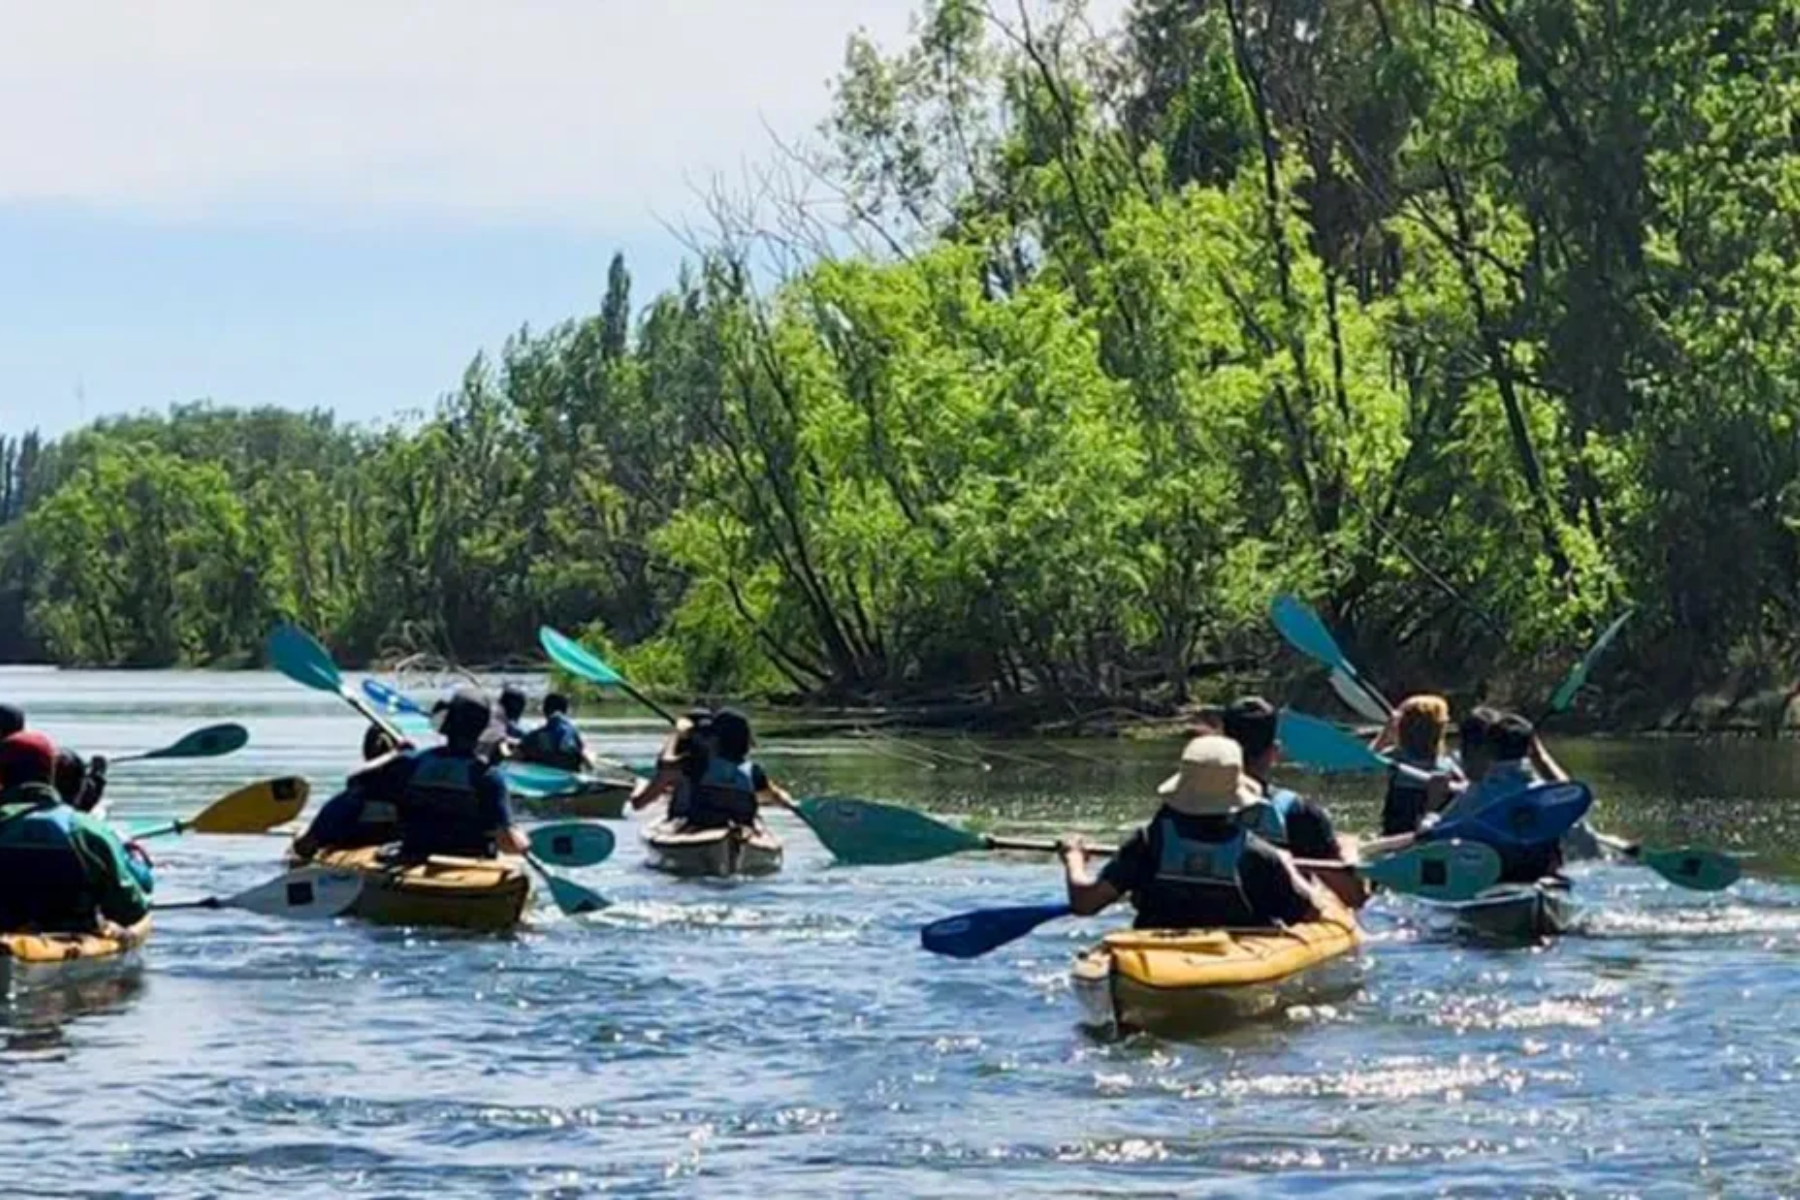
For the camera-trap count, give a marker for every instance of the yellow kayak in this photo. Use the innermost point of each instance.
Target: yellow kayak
(1196, 980)
(31, 960)
(485, 894)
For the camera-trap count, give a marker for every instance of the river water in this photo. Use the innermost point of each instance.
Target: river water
(788, 1037)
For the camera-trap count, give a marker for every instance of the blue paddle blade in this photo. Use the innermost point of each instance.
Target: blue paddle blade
(975, 933)
(296, 654)
(1528, 819)
(1296, 621)
(576, 658)
(572, 843)
(392, 702)
(1577, 676)
(1323, 746)
(866, 833)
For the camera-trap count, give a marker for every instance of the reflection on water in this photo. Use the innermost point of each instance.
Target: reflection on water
(787, 1036)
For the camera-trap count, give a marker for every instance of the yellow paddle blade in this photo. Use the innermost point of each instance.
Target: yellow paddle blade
(255, 808)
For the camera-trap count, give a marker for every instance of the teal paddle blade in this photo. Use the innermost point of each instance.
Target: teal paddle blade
(540, 782)
(1577, 676)
(1697, 869)
(212, 742)
(866, 833)
(1323, 746)
(1448, 870)
(576, 658)
(572, 843)
(973, 934)
(295, 653)
(1296, 621)
(573, 899)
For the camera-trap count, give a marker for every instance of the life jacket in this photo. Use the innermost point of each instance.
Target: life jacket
(1196, 883)
(1403, 807)
(1268, 817)
(43, 881)
(440, 810)
(725, 794)
(555, 743)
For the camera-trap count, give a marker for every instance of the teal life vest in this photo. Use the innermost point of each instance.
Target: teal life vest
(1188, 862)
(43, 884)
(1268, 817)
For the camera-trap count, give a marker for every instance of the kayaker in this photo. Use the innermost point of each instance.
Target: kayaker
(354, 817)
(1416, 736)
(557, 742)
(679, 764)
(731, 787)
(449, 801)
(1281, 816)
(512, 712)
(1513, 760)
(1195, 866)
(61, 871)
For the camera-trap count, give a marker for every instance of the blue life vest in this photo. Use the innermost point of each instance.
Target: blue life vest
(43, 884)
(441, 810)
(725, 794)
(1268, 817)
(1188, 862)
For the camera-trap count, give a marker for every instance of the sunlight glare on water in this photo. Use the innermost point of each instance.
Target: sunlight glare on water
(787, 1036)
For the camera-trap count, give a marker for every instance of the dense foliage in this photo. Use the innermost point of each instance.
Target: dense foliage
(1062, 352)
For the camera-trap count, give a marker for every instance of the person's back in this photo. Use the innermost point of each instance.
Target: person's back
(1508, 773)
(557, 742)
(60, 869)
(1195, 866)
(449, 800)
(1420, 725)
(1279, 815)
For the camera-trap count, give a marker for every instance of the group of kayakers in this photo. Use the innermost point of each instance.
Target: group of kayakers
(1226, 847)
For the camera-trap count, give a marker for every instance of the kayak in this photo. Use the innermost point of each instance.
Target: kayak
(1513, 912)
(596, 800)
(1203, 980)
(485, 894)
(35, 960)
(719, 851)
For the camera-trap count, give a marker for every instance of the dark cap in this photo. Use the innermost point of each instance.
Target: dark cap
(12, 719)
(512, 701)
(1250, 721)
(467, 715)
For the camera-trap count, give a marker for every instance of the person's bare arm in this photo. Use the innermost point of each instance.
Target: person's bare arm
(512, 840)
(1546, 765)
(777, 795)
(1087, 895)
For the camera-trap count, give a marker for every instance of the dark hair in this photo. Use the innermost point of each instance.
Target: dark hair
(1512, 735)
(731, 734)
(377, 742)
(1477, 729)
(12, 719)
(69, 776)
(1250, 721)
(466, 717)
(512, 702)
(555, 702)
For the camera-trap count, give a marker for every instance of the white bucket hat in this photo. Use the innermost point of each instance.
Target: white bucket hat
(1211, 781)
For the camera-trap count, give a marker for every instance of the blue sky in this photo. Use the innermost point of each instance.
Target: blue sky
(337, 202)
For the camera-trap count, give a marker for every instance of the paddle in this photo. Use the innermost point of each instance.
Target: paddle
(214, 741)
(867, 833)
(1564, 695)
(1439, 870)
(309, 893)
(572, 843)
(296, 654)
(403, 709)
(1296, 621)
(253, 809)
(1323, 746)
(1693, 867)
(583, 663)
